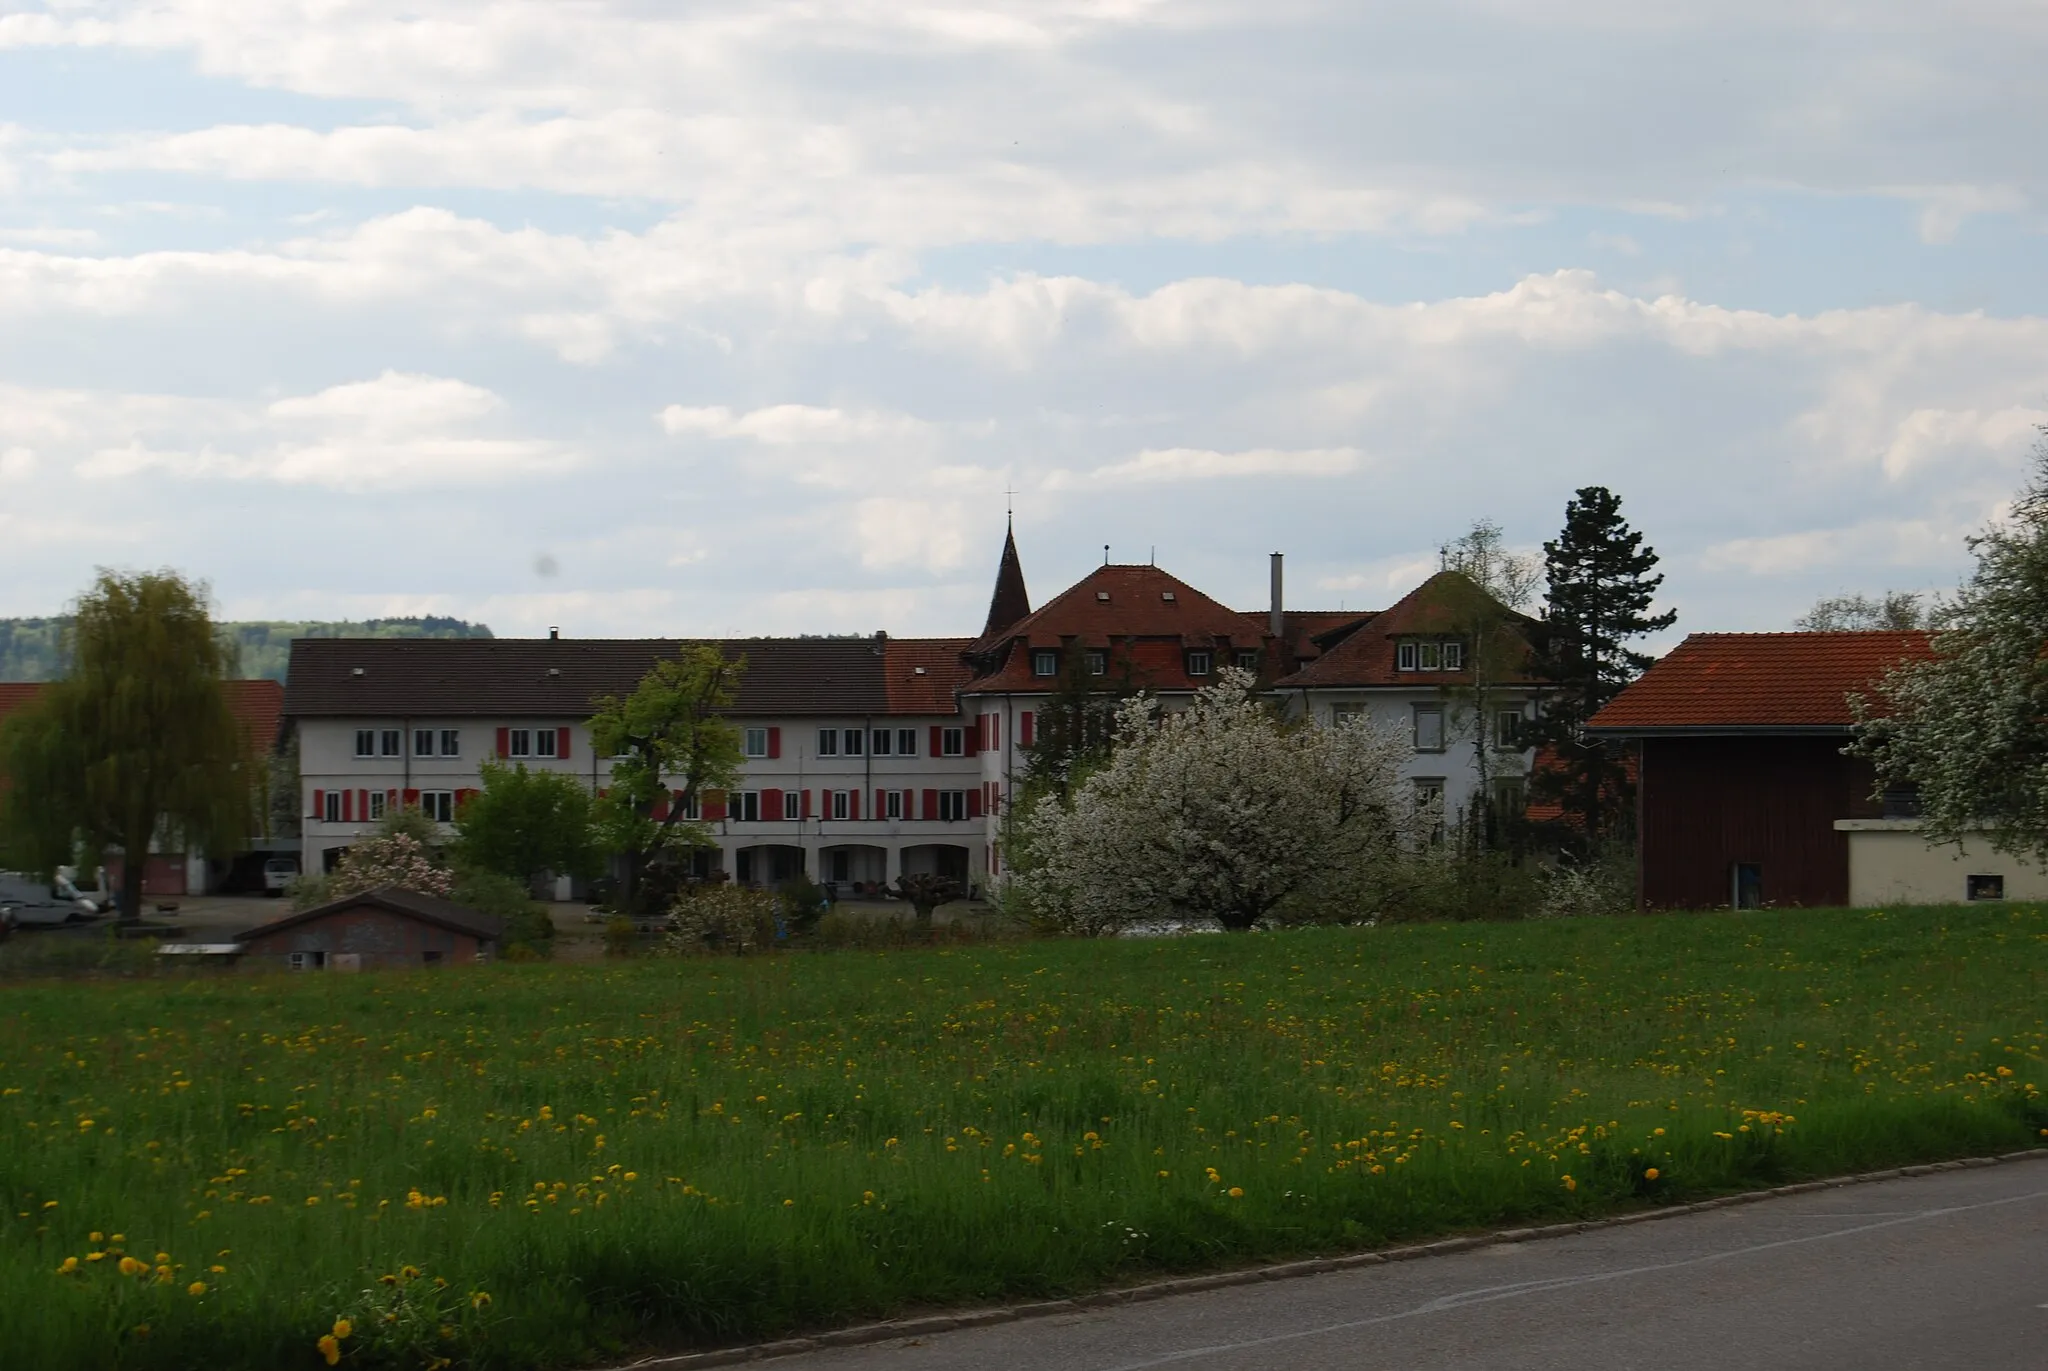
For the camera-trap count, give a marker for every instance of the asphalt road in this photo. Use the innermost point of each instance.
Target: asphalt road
(1946, 1270)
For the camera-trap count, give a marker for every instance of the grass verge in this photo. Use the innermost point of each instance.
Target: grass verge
(532, 1166)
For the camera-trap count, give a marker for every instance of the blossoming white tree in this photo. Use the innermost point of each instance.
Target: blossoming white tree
(1219, 812)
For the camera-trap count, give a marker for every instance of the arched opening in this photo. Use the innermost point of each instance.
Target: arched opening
(767, 864)
(936, 859)
(854, 871)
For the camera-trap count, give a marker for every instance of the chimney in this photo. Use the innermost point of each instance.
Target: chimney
(1278, 626)
(555, 632)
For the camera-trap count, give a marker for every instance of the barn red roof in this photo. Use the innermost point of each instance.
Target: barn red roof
(1759, 682)
(1366, 655)
(258, 705)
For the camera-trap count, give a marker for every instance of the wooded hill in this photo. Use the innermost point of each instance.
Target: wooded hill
(29, 647)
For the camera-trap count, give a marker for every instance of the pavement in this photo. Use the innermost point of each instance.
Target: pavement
(1934, 1271)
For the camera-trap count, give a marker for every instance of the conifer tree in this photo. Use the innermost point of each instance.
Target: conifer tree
(1602, 581)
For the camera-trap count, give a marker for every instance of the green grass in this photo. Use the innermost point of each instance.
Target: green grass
(663, 1154)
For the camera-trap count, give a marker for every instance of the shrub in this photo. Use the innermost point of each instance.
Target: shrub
(731, 919)
(803, 903)
(621, 936)
(528, 926)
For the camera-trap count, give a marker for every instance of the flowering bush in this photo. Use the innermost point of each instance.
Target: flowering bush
(1222, 812)
(390, 858)
(732, 919)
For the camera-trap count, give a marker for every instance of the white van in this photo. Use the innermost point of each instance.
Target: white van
(279, 873)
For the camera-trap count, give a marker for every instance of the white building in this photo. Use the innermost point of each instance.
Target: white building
(871, 758)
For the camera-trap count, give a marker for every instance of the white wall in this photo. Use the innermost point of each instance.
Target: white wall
(1891, 862)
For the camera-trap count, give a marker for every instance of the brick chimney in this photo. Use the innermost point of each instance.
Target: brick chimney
(1278, 624)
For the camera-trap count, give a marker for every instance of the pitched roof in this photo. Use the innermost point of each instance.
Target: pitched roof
(1111, 606)
(258, 705)
(1758, 682)
(922, 674)
(1010, 602)
(1365, 655)
(398, 900)
(562, 678)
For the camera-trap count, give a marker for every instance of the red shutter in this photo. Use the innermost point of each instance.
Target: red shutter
(348, 806)
(938, 741)
(973, 738)
(881, 804)
(320, 804)
(853, 804)
(910, 804)
(714, 805)
(410, 798)
(363, 805)
(995, 732)
(806, 803)
(562, 743)
(774, 743)
(974, 804)
(504, 742)
(390, 800)
(995, 797)
(660, 808)
(463, 797)
(931, 801)
(771, 804)
(1024, 729)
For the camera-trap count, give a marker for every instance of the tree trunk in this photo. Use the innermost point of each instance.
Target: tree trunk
(134, 867)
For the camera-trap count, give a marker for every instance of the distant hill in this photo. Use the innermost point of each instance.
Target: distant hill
(28, 647)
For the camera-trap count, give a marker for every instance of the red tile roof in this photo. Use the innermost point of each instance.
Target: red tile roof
(1365, 656)
(1140, 611)
(921, 674)
(1743, 682)
(258, 705)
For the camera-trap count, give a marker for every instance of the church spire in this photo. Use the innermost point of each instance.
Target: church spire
(1011, 602)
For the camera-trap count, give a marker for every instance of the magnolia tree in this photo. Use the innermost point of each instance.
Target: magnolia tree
(1220, 812)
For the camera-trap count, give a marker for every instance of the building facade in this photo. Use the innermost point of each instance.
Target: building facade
(872, 758)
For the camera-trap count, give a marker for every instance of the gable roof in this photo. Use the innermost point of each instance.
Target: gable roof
(409, 904)
(1758, 683)
(1364, 654)
(1110, 606)
(257, 705)
(563, 678)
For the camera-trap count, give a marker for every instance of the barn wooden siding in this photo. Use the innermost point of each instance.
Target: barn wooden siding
(1710, 802)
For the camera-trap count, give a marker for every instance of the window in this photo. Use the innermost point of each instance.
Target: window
(952, 742)
(391, 743)
(882, 743)
(1985, 887)
(451, 742)
(330, 811)
(1507, 728)
(743, 806)
(423, 742)
(366, 742)
(952, 805)
(792, 804)
(1199, 661)
(519, 742)
(1428, 657)
(1248, 659)
(1341, 714)
(842, 804)
(853, 739)
(892, 804)
(1098, 662)
(1045, 662)
(1429, 803)
(306, 961)
(1510, 799)
(376, 806)
(544, 740)
(1404, 657)
(438, 805)
(906, 742)
(755, 742)
(1429, 728)
(1454, 656)
(686, 805)
(828, 742)
(431, 957)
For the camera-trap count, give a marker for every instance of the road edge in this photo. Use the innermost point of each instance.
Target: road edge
(921, 1326)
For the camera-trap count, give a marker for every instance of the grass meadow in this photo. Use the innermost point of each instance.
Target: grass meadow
(536, 1165)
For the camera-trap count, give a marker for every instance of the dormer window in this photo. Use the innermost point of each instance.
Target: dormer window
(1248, 659)
(1199, 661)
(1404, 657)
(1429, 657)
(1166, 595)
(1454, 656)
(1045, 662)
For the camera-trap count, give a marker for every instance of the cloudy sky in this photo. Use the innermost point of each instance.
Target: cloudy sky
(650, 316)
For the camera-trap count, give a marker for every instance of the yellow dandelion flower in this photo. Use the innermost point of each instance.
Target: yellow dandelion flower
(132, 1267)
(1236, 1192)
(69, 1267)
(342, 1328)
(196, 1289)
(479, 1299)
(1570, 1184)
(1652, 1174)
(330, 1349)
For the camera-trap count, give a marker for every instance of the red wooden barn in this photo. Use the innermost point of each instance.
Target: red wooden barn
(385, 927)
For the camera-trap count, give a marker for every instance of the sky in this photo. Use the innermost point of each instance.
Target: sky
(649, 317)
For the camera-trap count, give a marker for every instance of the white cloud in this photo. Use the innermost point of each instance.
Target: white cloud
(789, 425)
(1156, 466)
(17, 463)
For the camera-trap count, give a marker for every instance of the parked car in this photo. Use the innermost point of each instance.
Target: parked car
(279, 873)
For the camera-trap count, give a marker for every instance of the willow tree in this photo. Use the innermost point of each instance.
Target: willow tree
(135, 745)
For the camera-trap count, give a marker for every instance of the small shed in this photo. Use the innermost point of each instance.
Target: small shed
(386, 927)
